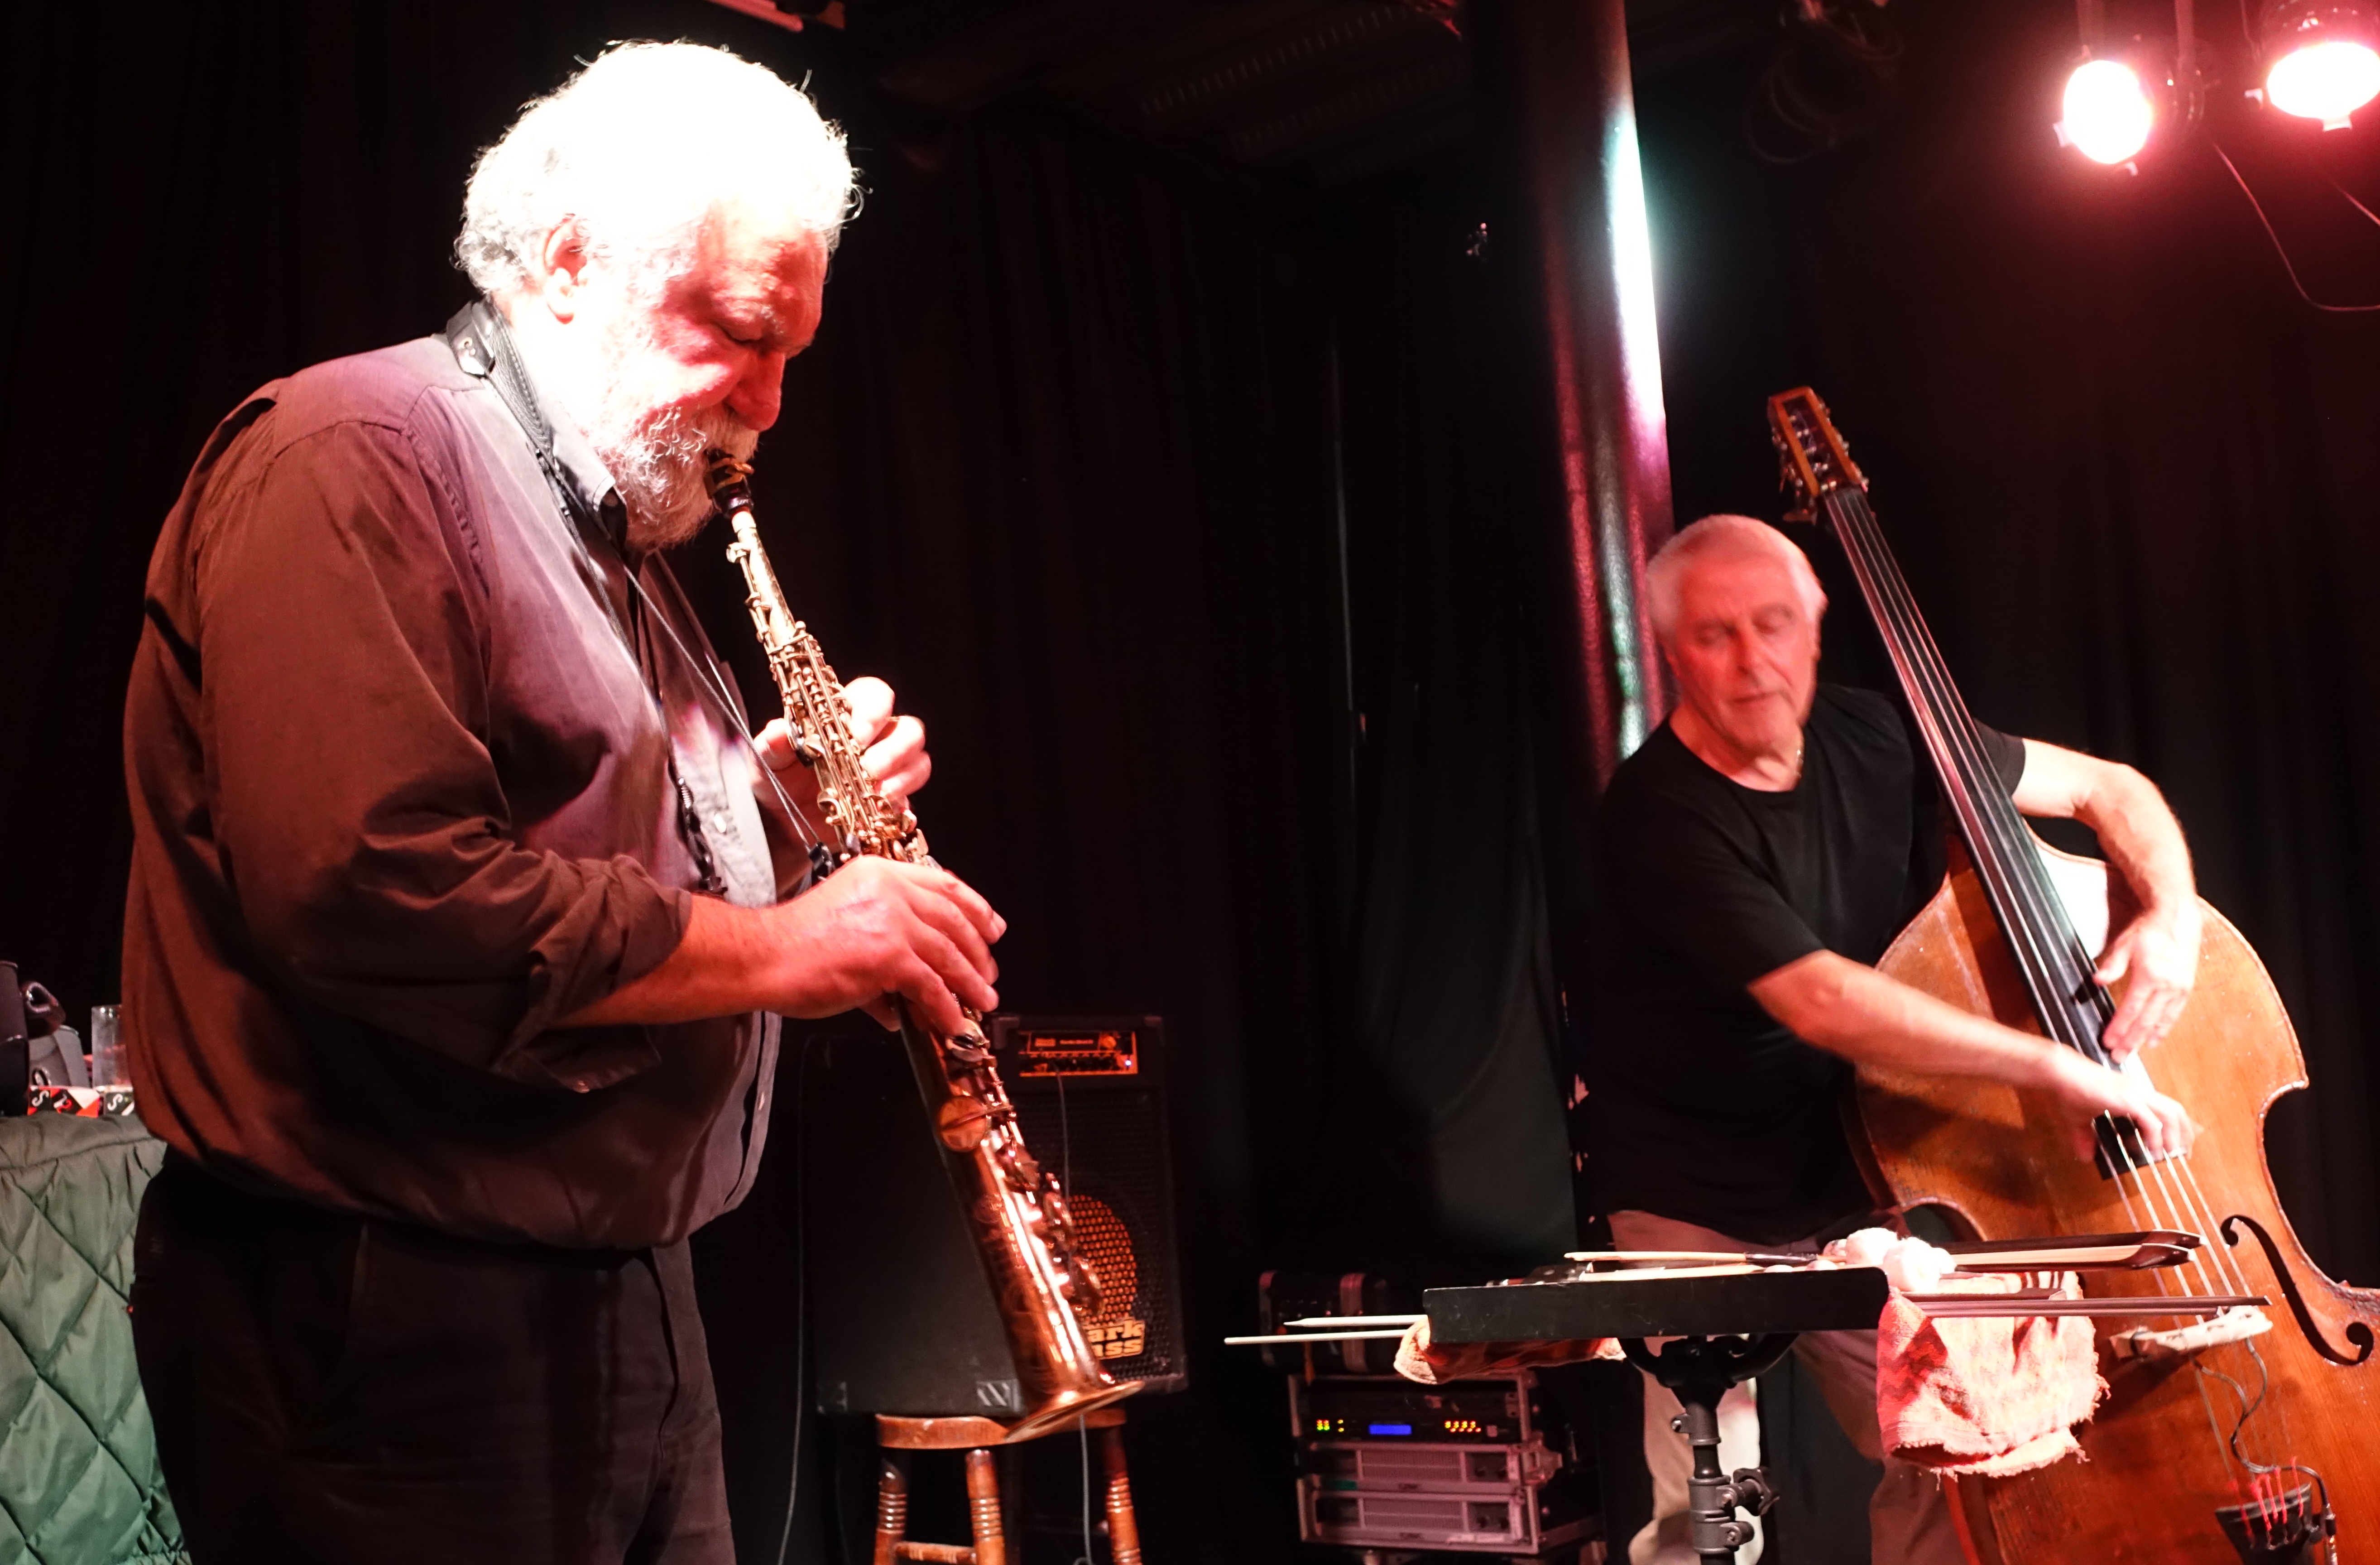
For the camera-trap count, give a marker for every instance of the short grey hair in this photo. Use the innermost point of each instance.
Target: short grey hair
(1722, 537)
(639, 147)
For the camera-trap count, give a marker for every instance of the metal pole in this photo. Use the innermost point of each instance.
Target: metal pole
(1552, 80)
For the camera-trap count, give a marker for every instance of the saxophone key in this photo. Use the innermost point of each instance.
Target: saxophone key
(963, 1122)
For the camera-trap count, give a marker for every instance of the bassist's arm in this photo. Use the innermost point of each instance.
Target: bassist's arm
(1851, 1010)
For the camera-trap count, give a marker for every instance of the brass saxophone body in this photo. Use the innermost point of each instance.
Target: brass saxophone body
(1042, 1283)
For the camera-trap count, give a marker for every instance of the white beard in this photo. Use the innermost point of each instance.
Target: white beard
(654, 455)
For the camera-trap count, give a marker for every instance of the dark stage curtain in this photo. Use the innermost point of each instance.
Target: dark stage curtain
(1058, 476)
(1066, 476)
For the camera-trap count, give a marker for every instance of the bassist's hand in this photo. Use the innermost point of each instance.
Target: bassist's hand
(2159, 951)
(2089, 1090)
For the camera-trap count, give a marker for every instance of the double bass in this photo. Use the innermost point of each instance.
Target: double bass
(2253, 1436)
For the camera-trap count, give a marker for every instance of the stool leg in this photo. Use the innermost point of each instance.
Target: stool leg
(983, 1502)
(891, 1509)
(1124, 1528)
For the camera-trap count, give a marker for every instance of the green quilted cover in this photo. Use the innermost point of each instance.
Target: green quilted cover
(79, 1479)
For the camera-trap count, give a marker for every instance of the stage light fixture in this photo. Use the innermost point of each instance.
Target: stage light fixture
(2324, 63)
(2107, 115)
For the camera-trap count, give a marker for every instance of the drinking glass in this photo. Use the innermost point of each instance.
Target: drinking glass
(108, 1066)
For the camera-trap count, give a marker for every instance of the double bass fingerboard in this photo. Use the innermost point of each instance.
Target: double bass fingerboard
(2056, 969)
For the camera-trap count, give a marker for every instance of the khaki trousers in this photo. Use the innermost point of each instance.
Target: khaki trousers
(1909, 1518)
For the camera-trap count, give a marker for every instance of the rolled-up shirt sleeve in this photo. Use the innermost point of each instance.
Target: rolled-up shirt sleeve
(364, 830)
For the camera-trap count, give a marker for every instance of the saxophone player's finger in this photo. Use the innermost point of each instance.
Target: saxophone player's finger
(969, 901)
(869, 701)
(899, 760)
(930, 1001)
(940, 980)
(943, 916)
(776, 744)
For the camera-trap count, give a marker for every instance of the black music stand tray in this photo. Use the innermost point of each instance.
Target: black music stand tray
(1726, 1328)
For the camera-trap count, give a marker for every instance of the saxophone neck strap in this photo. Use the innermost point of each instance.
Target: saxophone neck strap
(484, 349)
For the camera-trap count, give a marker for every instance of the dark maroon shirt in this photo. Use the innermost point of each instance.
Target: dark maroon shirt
(400, 742)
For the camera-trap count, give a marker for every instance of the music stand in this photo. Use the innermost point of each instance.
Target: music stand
(1724, 1329)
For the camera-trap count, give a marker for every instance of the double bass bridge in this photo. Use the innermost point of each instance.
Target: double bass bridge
(2235, 1324)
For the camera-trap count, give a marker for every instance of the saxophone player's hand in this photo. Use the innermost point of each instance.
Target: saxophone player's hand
(875, 928)
(896, 744)
(879, 928)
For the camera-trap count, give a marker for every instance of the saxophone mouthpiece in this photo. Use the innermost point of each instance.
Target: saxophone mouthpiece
(726, 472)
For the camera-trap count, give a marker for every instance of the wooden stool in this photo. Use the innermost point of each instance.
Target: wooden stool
(976, 1437)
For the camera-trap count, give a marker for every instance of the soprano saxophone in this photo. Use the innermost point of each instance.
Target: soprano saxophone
(1017, 1214)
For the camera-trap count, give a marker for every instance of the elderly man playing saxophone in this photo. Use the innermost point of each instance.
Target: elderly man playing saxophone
(460, 896)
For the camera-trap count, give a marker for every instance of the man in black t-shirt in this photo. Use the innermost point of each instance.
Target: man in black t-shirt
(1754, 860)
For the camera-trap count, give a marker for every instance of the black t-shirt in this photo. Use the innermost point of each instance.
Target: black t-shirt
(1701, 1107)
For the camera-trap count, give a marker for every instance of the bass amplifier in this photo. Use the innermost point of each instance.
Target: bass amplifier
(1090, 1095)
(903, 1320)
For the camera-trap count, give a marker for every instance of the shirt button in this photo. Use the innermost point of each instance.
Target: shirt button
(723, 821)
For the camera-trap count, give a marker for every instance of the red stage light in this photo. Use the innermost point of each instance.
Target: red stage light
(2108, 115)
(2324, 67)
(2325, 81)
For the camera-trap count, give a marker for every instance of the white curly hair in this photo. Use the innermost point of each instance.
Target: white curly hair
(639, 147)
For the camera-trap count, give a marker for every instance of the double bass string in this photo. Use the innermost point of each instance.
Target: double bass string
(1932, 703)
(2058, 976)
(1937, 707)
(2030, 922)
(2239, 1276)
(1949, 731)
(2044, 928)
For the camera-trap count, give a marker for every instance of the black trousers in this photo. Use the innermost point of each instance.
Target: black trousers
(336, 1390)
